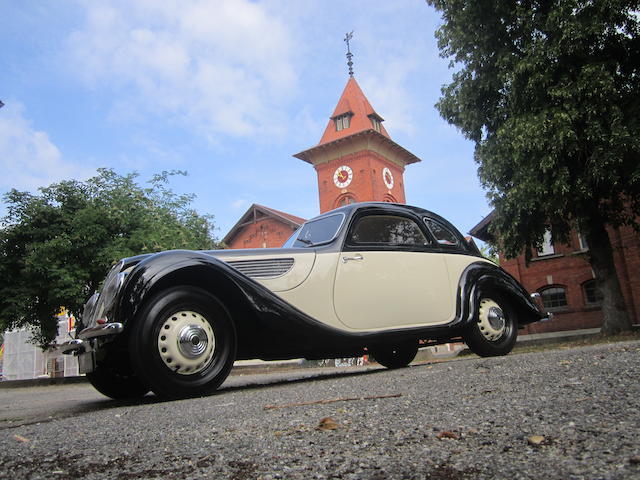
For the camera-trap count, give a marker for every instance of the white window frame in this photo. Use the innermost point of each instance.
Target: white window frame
(547, 245)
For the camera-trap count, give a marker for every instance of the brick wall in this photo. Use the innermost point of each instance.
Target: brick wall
(367, 184)
(569, 267)
(263, 233)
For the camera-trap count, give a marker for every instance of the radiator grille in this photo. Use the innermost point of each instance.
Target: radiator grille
(267, 268)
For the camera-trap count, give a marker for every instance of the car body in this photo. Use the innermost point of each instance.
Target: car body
(374, 278)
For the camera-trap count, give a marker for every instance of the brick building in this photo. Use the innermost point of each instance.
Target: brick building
(563, 277)
(355, 161)
(262, 227)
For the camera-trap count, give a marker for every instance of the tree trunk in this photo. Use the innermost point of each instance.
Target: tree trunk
(615, 318)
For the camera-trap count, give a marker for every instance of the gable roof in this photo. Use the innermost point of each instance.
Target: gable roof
(353, 102)
(481, 230)
(256, 212)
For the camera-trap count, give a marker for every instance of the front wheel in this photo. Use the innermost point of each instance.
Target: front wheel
(184, 343)
(114, 377)
(395, 356)
(494, 330)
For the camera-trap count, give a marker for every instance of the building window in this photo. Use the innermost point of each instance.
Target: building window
(582, 240)
(547, 245)
(375, 122)
(342, 122)
(554, 297)
(592, 294)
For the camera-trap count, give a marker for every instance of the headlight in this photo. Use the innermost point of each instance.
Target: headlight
(111, 290)
(112, 284)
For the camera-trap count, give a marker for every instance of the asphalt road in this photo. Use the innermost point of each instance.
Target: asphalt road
(561, 414)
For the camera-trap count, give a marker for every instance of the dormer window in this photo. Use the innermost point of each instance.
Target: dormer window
(375, 121)
(342, 121)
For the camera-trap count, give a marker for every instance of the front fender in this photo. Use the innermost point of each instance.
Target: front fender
(166, 269)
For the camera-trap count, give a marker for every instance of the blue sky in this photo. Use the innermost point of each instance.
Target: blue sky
(228, 90)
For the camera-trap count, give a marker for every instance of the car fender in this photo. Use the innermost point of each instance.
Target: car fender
(177, 267)
(481, 277)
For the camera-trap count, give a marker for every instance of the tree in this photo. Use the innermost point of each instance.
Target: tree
(57, 246)
(549, 92)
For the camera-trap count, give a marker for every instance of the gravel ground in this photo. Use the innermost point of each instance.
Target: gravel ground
(559, 414)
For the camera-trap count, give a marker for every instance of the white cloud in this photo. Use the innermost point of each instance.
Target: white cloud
(28, 158)
(240, 204)
(221, 67)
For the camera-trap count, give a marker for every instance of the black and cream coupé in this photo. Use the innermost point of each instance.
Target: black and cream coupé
(368, 278)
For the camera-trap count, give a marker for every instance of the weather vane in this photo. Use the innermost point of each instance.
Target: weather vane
(348, 37)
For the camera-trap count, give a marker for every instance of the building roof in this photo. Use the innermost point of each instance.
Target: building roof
(256, 212)
(481, 230)
(353, 102)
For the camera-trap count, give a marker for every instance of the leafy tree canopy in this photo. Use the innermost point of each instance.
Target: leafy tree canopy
(57, 246)
(549, 92)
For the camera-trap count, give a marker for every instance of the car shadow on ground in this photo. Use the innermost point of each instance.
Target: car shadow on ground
(235, 383)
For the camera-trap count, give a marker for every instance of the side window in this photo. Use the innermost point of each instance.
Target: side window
(387, 230)
(442, 234)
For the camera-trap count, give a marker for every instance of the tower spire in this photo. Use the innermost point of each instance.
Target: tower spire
(348, 37)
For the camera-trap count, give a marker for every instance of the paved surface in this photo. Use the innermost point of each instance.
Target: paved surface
(561, 414)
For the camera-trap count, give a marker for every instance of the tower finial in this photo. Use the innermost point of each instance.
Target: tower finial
(348, 37)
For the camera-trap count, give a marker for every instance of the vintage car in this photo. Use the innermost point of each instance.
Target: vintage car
(368, 278)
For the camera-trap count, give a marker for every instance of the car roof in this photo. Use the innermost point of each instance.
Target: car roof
(347, 209)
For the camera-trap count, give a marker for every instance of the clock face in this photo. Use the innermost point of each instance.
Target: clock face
(387, 176)
(342, 176)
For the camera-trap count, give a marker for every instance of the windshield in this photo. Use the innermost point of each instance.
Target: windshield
(315, 232)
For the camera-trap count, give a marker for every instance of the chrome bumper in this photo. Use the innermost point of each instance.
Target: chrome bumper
(81, 344)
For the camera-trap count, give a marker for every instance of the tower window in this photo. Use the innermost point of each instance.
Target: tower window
(342, 122)
(345, 200)
(375, 121)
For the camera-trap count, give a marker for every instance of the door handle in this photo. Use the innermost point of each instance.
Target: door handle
(355, 257)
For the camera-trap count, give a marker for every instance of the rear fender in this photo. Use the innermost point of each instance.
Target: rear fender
(482, 277)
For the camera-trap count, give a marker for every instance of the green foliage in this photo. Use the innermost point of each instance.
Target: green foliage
(57, 246)
(549, 92)
(490, 253)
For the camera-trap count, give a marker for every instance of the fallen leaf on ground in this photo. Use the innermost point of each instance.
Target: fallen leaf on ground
(327, 423)
(447, 434)
(535, 440)
(20, 438)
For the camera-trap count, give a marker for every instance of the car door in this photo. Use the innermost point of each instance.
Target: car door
(389, 275)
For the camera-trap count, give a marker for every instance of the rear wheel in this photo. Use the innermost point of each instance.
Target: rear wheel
(495, 327)
(184, 343)
(395, 356)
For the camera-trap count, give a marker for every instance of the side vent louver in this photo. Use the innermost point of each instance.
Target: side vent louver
(267, 268)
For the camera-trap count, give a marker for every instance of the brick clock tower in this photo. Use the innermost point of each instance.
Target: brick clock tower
(356, 160)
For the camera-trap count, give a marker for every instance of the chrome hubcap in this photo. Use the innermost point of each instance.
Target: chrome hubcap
(186, 342)
(192, 341)
(491, 320)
